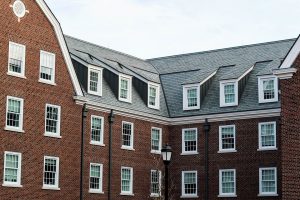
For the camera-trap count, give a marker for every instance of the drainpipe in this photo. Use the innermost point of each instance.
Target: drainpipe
(206, 130)
(111, 119)
(83, 117)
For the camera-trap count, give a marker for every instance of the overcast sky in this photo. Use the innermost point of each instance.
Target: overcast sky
(156, 28)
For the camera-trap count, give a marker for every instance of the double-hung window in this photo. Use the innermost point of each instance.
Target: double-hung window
(189, 141)
(96, 178)
(95, 81)
(97, 125)
(52, 120)
(47, 67)
(126, 181)
(227, 138)
(227, 183)
(51, 172)
(14, 114)
(156, 140)
(267, 136)
(189, 184)
(268, 181)
(191, 97)
(125, 88)
(153, 95)
(155, 183)
(12, 169)
(127, 135)
(16, 60)
(267, 89)
(228, 93)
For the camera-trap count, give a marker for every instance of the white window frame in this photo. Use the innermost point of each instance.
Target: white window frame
(100, 80)
(22, 74)
(222, 94)
(159, 184)
(221, 150)
(260, 147)
(130, 193)
(52, 81)
(50, 134)
(100, 190)
(56, 186)
(160, 140)
(183, 152)
(18, 183)
(101, 143)
(183, 195)
(260, 182)
(185, 100)
(129, 96)
(261, 89)
(12, 128)
(221, 194)
(157, 97)
(132, 136)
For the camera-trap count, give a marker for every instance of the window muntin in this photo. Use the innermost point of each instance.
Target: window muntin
(189, 183)
(227, 138)
(125, 88)
(267, 135)
(52, 120)
(268, 181)
(268, 89)
(51, 172)
(153, 96)
(155, 183)
(14, 113)
(191, 97)
(96, 177)
(228, 93)
(227, 182)
(95, 81)
(16, 59)
(126, 180)
(127, 135)
(12, 168)
(156, 140)
(189, 141)
(97, 125)
(47, 67)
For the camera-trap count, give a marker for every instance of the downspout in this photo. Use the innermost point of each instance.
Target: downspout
(83, 117)
(206, 167)
(111, 119)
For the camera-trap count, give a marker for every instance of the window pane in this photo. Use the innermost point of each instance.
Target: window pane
(190, 140)
(94, 81)
(229, 93)
(126, 134)
(228, 136)
(155, 139)
(96, 129)
(47, 66)
(190, 186)
(228, 180)
(155, 187)
(192, 97)
(268, 135)
(95, 175)
(268, 180)
(126, 180)
(152, 96)
(268, 89)
(124, 89)
(11, 168)
(13, 113)
(52, 119)
(16, 58)
(50, 171)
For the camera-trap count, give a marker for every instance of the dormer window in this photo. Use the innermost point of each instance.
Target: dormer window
(16, 60)
(191, 97)
(228, 93)
(95, 81)
(267, 89)
(153, 95)
(125, 88)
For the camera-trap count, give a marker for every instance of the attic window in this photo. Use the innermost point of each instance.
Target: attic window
(267, 89)
(191, 97)
(95, 80)
(125, 88)
(153, 95)
(228, 93)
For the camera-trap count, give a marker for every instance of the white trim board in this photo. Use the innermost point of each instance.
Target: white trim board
(292, 55)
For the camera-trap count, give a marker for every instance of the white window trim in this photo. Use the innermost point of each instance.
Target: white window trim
(130, 193)
(50, 82)
(12, 128)
(129, 79)
(183, 152)
(159, 183)
(100, 190)
(100, 80)
(260, 147)
(160, 140)
(22, 74)
(102, 131)
(49, 134)
(157, 98)
(261, 91)
(18, 183)
(132, 136)
(222, 95)
(56, 186)
(183, 195)
(185, 100)
(260, 182)
(221, 194)
(221, 150)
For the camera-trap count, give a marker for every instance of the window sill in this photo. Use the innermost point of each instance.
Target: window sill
(268, 149)
(268, 101)
(14, 129)
(267, 195)
(97, 143)
(153, 107)
(12, 185)
(16, 75)
(188, 196)
(126, 194)
(127, 148)
(50, 188)
(227, 195)
(95, 93)
(52, 135)
(191, 108)
(125, 100)
(189, 153)
(227, 151)
(155, 152)
(155, 195)
(96, 192)
(47, 82)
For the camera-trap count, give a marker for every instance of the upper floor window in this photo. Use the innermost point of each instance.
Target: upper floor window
(126, 180)
(52, 120)
(189, 184)
(268, 181)
(12, 169)
(16, 59)
(14, 114)
(97, 130)
(227, 138)
(228, 93)
(227, 183)
(267, 136)
(155, 183)
(267, 89)
(125, 88)
(95, 81)
(153, 96)
(191, 97)
(127, 135)
(156, 140)
(96, 178)
(189, 141)
(51, 172)
(47, 67)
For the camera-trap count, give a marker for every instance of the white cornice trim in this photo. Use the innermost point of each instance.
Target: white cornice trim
(292, 55)
(284, 73)
(62, 43)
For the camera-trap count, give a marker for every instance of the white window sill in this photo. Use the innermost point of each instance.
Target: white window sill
(125, 100)
(126, 194)
(188, 196)
(154, 195)
(95, 93)
(268, 195)
(52, 135)
(227, 151)
(228, 105)
(16, 75)
(47, 82)
(227, 195)
(268, 101)
(95, 191)
(12, 185)
(153, 107)
(189, 153)
(14, 129)
(97, 143)
(50, 188)
(268, 149)
(191, 108)
(127, 148)
(155, 152)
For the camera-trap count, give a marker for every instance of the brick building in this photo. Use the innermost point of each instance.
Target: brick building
(248, 96)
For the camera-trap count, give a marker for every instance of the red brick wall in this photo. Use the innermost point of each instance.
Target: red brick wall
(290, 98)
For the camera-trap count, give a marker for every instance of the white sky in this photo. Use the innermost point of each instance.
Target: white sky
(155, 28)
